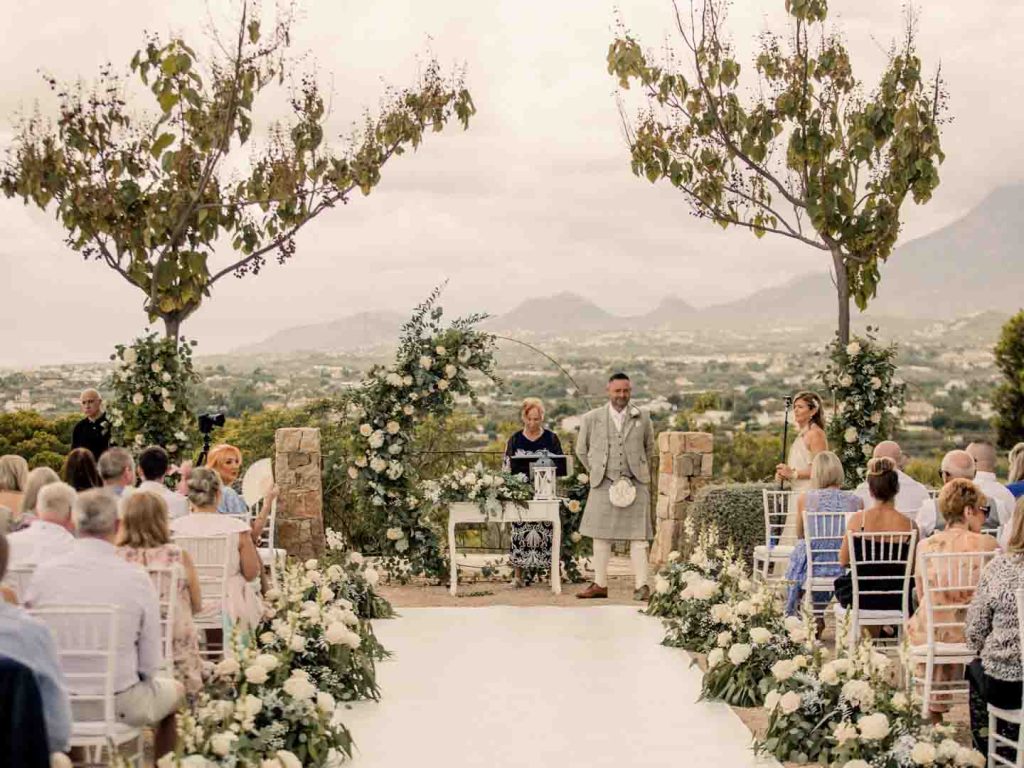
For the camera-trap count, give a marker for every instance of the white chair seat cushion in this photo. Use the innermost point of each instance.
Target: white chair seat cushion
(1007, 715)
(118, 732)
(778, 552)
(894, 616)
(268, 555)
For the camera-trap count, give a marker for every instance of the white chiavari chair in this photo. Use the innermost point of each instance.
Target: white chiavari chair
(210, 557)
(771, 558)
(823, 537)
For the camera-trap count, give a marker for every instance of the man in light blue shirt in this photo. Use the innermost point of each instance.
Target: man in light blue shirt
(27, 641)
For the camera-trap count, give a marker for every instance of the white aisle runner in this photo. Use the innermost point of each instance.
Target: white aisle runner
(511, 687)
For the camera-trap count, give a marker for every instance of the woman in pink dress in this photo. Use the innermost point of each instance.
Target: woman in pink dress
(242, 601)
(145, 539)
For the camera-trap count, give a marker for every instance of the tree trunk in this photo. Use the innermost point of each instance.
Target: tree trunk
(172, 327)
(843, 296)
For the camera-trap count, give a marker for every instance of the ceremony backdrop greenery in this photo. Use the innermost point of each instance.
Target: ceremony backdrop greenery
(802, 149)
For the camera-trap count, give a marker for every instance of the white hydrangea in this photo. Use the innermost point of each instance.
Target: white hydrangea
(771, 700)
(721, 613)
(394, 534)
(724, 639)
(947, 749)
(583, 478)
(298, 686)
(845, 731)
(576, 537)
(923, 753)
(853, 349)
(256, 674)
(783, 669)
(268, 661)
(661, 584)
(441, 350)
(221, 743)
(137, 398)
(450, 371)
(426, 362)
(715, 657)
(325, 702)
(371, 576)
(376, 440)
(850, 435)
(227, 668)
(859, 693)
(873, 727)
(790, 702)
(443, 384)
(760, 635)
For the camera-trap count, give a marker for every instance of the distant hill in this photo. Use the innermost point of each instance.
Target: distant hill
(974, 265)
(365, 329)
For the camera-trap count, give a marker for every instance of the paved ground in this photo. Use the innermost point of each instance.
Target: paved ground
(533, 687)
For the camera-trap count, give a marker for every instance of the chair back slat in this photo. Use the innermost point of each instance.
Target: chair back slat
(881, 564)
(86, 640)
(166, 581)
(209, 555)
(779, 517)
(948, 581)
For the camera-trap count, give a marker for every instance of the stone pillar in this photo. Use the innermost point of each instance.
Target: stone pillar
(300, 508)
(684, 467)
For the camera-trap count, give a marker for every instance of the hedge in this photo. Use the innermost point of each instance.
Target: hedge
(738, 511)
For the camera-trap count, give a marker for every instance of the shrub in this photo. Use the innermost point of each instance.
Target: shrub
(737, 511)
(925, 471)
(1009, 396)
(42, 442)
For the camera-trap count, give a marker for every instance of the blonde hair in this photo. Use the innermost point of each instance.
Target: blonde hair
(529, 404)
(13, 473)
(1017, 463)
(38, 478)
(203, 486)
(1016, 540)
(956, 496)
(219, 454)
(826, 470)
(144, 521)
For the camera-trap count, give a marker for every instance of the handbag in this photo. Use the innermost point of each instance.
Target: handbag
(622, 493)
(843, 586)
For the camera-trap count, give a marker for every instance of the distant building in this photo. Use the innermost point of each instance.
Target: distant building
(711, 418)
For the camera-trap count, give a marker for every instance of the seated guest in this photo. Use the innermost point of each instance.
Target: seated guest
(28, 641)
(37, 479)
(883, 517)
(912, 493)
(531, 542)
(984, 455)
(51, 535)
(145, 539)
(993, 633)
(243, 605)
(13, 479)
(93, 432)
(1016, 478)
(153, 466)
(117, 470)
(92, 573)
(79, 470)
(955, 464)
(825, 497)
(963, 508)
(226, 461)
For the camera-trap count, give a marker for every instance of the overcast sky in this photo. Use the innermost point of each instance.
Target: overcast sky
(537, 197)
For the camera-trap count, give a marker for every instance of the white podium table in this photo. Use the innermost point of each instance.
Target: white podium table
(462, 512)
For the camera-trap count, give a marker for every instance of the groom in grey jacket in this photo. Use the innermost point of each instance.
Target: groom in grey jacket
(615, 443)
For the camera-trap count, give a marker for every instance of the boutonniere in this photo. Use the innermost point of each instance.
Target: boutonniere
(634, 412)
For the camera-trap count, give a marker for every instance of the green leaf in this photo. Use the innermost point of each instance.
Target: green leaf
(163, 142)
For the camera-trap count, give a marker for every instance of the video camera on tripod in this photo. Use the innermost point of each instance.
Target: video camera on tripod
(207, 423)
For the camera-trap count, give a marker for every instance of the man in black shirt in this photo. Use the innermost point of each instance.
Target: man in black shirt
(92, 432)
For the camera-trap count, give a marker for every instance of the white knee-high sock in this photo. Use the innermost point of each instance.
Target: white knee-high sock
(638, 557)
(602, 554)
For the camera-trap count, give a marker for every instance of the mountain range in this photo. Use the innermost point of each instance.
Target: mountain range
(975, 264)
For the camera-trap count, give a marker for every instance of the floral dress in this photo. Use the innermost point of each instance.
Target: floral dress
(188, 667)
(531, 542)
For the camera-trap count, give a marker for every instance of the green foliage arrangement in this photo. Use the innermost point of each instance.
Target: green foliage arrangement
(804, 151)
(151, 397)
(1009, 396)
(736, 511)
(862, 378)
(40, 441)
(153, 197)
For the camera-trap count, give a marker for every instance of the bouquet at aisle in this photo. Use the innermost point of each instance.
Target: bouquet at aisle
(488, 489)
(354, 578)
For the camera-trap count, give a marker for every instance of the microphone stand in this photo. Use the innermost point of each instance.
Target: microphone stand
(785, 436)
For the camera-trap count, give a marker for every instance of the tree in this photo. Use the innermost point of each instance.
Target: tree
(1009, 396)
(152, 197)
(807, 156)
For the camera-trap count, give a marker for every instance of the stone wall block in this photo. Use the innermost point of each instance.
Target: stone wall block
(300, 527)
(700, 442)
(707, 463)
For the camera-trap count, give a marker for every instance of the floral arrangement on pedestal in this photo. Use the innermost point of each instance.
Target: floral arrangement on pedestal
(488, 489)
(431, 369)
(151, 403)
(869, 397)
(258, 708)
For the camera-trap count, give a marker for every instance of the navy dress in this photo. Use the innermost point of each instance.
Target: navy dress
(531, 542)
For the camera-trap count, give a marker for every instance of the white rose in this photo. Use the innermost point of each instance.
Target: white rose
(721, 613)
(970, 757)
(876, 383)
(440, 350)
(850, 435)
(297, 643)
(464, 354)
(923, 753)
(859, 693)
(573, 506)
(394, 534)
(165, 376)
(221, 743)
(783, 669)
(771, 700)
(393, 427)
(256, 674)
(584, 478)
(853, 349)
(739, 653)
(828, 674)
(169, 406)
(575, 537)
(661, 585)
(371, 576)
(378, 465)
(268, 661)
(335, 633)
(744, 608)
(407, 380)
(395, 449)
(361, 461)
(845, 381)
(376, 440)
(715, 657)
(325, 702)
(130, 356)
(365, 430)
(745, 585)
(267, 638)
(426, 362)
(137, 398)
(900, 702)
(288, 759)
(947, 749)
(227, 668)
(873, 727)
(442, 384)
(760, 635)
(393, 379)
(790, 702)
(798, 634)
(157, 366)
(353, 473)
(845, 731)
(724, 639)
(355, 558)
(408, 410)
(298, 686)
(799, 661)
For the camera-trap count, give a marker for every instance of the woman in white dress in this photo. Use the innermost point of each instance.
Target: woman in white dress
(808, 413)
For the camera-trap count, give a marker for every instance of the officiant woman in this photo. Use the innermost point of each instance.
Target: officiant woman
(531, 542)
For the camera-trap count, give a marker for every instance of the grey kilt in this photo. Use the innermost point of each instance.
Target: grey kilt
(601, 520)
